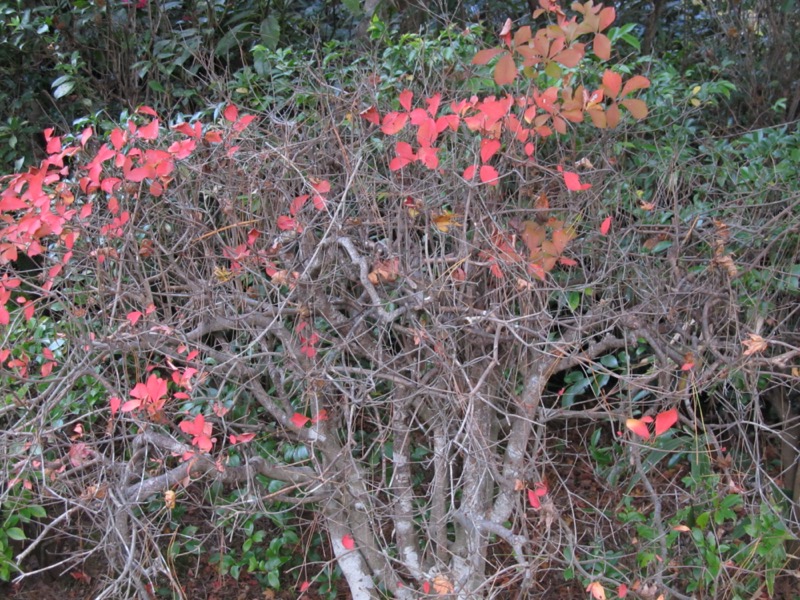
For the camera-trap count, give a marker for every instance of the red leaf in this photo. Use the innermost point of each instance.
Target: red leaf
(297, 204)
(433, 104)
(242, 123)
(321, 187)
(286, 223)
(428, 157)
(133, 317)
(665, 420)
(427, 133)
(622, 591)
(146, 110)
(393, 122)
(469, 172)
(489, 175)
(304, 586)
(319, 202)
(371, 115)
(348, 542)
(488, 149)
(405, 99)
(115, 403)
(605, 226)
(242, 439)
(231, 113)
(426, 587)
(573, 182)
(299, 420)
(149, 131)
(536, 493)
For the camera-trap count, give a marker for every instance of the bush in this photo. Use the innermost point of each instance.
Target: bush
(474, 346)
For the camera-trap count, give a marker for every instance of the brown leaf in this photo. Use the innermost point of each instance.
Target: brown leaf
(442, 586)
(385, 271)
(754, 344)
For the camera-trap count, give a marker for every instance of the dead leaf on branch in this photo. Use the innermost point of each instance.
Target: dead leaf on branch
(754, 344)
(445, 220)
(385, 271)
(442, 586)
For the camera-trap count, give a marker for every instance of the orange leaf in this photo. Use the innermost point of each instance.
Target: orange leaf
(602, 47)
(639, 427)
(636, 107)
(484, 56)
(637, 82)
(612, 82)
(665, 420)
(506, 70)
(596, 590)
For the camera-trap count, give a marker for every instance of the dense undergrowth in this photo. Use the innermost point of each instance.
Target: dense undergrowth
(233, 333)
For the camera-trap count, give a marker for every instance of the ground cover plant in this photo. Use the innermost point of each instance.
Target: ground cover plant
(477, 331)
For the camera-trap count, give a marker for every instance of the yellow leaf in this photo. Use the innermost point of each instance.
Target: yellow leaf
(169, 499)
(444, 221)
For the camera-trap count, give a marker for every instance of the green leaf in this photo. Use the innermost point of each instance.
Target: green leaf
(274, 580)
(36, 511)
(156, 86)
(229, 40)
(632, 41)
(661, 246)
(15, 533)
(270, 32)
(63, 89)
(574, 300)
(353, 7)
(609, 361)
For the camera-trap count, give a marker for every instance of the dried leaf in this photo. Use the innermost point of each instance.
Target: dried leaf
(596, 590)
(445, 220)
(754, 344)
(442, 586)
